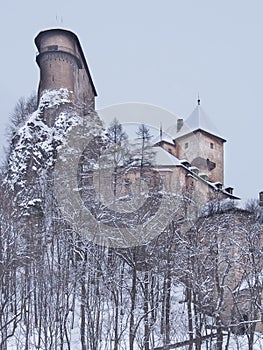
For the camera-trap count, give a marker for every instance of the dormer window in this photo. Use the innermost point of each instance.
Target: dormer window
(218, 185)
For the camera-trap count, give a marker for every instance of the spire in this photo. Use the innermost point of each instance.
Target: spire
(198, 100)
(161, 132)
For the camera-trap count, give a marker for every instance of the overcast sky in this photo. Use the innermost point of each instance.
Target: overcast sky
(157, 52)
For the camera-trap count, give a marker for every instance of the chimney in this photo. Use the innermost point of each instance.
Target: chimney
(180, 123)
(261, 199)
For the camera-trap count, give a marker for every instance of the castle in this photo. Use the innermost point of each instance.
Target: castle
(192, 160)
(195, 154)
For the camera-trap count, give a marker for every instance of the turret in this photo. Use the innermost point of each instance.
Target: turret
(198, 141)
(63, 65)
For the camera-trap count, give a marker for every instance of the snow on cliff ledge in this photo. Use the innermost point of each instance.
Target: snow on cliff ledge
(34, 145)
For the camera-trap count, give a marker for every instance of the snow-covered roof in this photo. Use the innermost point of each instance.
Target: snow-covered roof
(167, 139)
(198, 120)
(164, 158)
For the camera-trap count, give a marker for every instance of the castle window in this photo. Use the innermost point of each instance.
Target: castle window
(186, 145)
(52, 48)
(211, 145)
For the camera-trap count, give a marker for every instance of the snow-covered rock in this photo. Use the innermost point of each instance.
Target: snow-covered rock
(34, 144)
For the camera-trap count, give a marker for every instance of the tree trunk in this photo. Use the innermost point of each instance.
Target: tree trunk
(190, 317)
(146, 310)
(133, 303)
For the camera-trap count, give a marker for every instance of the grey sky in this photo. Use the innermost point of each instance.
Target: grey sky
(158, 52)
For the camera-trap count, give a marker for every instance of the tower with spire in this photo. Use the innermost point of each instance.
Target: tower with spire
(199, 142)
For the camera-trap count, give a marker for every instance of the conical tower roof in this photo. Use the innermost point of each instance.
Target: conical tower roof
(198, 120)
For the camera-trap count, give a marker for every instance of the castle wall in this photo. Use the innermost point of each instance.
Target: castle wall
(83, 89)
(61, 38)
(169, 148)
(57, 71)
(199, 147)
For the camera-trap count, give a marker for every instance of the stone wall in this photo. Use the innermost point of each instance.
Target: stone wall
(202, 149)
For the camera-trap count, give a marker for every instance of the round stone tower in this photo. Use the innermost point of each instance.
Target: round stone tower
(63, 65)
